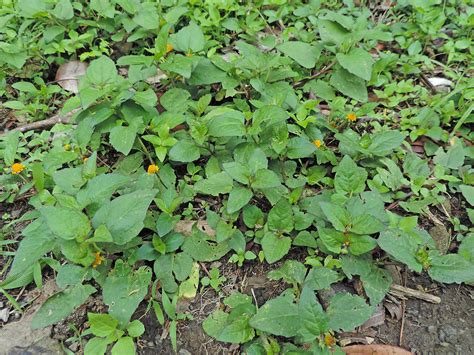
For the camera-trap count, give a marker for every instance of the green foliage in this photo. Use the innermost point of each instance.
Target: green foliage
(289, 130)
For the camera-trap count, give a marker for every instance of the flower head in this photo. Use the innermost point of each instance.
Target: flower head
(351, 117)
(317, 143)
(169, 47)
(329, 340)
(17, 168)
(189, 54)
(98, 260)
(153, 169)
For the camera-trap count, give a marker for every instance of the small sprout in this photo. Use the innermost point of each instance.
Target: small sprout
(351, 117)
(153, 169)
(317, 143)
(17, 168)
(98, 260)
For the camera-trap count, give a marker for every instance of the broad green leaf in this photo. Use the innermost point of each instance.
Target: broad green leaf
(337, 215)
(347, 311)
(332, 32)
(124, 346)
(189, 39)
(238, 198)
(280, 217)
(11, 141)
(361, 244)
(332, 239)
(366, 224)
(230, 328)
(124, 216)
(292, 272)
(200, 249)
(312, 318)
(102, 325)
(349, 85)
(184, 151)
(63, 10)
(349, 177)
(70, 275)
(100, 188)
(468, 193)
(320, 278)
(122, 138)
(103, 8)
(96, 346)
(135, 328)
(304, 54)
(60, 305)
(175, 100)
(300, 147)
(358, 62)
(102, 71)
(265, 179)
(124, 289)
(401, 246)
(66, 223)
(216, 184)
(226, 123)
(384, 143)
(239, 172)
(278, 316)
(274, 247)
(451, 268)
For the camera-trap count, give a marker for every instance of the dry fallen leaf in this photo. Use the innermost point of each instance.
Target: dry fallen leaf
(185, 227)
(375, 349)
(69, 73)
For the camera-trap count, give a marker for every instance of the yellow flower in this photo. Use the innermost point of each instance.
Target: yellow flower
(85, 159)
(317, 143)
(329, 340)
(189, 54)
(169, 47)
(17, 168)
(351, 117)
(67, 147)
(98, 260)
(153, 169)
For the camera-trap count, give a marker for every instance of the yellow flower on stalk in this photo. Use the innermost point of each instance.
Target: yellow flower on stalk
(98, 260)
(317, 143)
(351, 117)
(169, 47)
(17, 168)
(153, 169)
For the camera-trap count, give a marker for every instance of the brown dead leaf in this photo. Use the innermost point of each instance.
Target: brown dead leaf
(375, 349)
(69, 73)
(186, 227)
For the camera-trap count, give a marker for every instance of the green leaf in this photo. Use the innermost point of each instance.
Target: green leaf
(337, 215)
(238, 172)
(11, 141)
(102, 325)
(135, 328)
(312, 318)
(122, 138)
(70, 275)
(376, 281)
(292, 272)
(304, 54)
(63, 10)
(321, 278)
(230, 328)
(184, 151)
(300, 147)
(468, 193)
(189, 39)
(280, 217)
(60, 305)
(124, 289)
(347, 311)
(102, 72)
(124, 216)
(96, 346)
(279, 316)
(220, 183)
(349, 177)
(175, 100)
(124, 346)
(358, 62)
(238, 198)
(401, 246)
(274, 247)
(366, 224)
(332, 239)
(226, 123)
(66, 223)
(349, 85)
(200, 249)
(384, 143)
(100, 188)
(265, 179)
(361, 244)
(451, 268)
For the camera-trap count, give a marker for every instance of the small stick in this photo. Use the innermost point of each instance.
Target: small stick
(43, 124)
(398, 290)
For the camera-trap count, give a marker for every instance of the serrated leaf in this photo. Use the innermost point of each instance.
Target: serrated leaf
(358, 62)
(184, 151)
(401, 246)
(451, 268)
(280, 217)
(349, 85)
(220, 183)
(347, 311)
(304, 54)
(349, 177)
